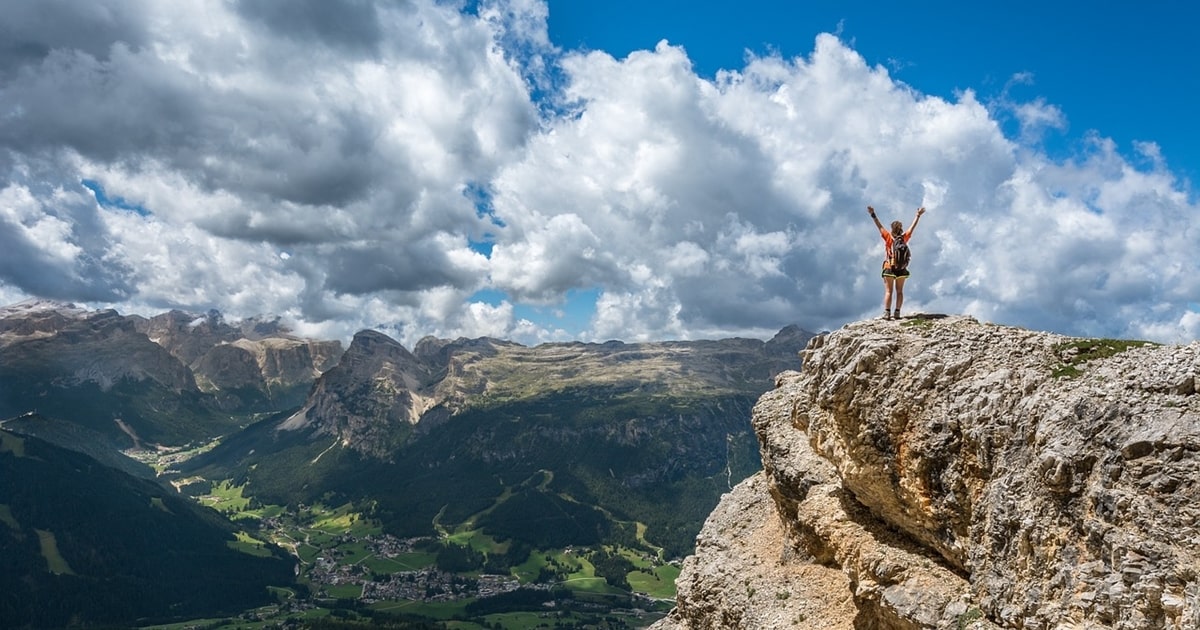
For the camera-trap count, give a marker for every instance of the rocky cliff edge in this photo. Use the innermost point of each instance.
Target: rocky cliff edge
(940, 472)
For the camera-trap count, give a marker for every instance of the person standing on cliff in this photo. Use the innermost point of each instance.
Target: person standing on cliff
(895, 265)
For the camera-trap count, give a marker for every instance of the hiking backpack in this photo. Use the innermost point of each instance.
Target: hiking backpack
(900, 253)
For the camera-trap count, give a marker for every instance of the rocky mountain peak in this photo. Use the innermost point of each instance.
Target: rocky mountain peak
(788, 336)
(187, 335)
(380, 393)
(37, 316)
(375, 346)
(80, 346)
(372, 398)
(247, 363)
(55, 356)
(947, 473)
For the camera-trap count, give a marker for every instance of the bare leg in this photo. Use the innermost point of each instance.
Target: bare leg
(888, 283)
(900, 293)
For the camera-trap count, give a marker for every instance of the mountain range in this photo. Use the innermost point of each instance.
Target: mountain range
(163, 381)
(545, 447)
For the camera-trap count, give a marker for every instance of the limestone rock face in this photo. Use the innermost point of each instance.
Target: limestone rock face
(65, 346)
(371, 399)
(746, 574)
(255, 363)
(960, 474)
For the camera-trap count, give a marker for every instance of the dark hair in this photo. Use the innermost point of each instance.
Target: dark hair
(897, 228)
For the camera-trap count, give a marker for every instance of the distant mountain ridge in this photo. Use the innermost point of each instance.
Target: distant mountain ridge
(633, 440)
(379, 393)
(86, 346)
(256, 363)
(167, 380)
(646, 432)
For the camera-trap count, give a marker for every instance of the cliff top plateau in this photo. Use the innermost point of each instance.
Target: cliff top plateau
(941, 472)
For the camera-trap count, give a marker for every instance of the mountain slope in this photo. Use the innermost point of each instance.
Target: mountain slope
(651, 432)
(84, 544)
(254, 365)
(95, 369)
(70, 435)
(169, 380)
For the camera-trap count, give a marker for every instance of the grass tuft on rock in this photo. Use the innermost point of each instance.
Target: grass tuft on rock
(1077, 352)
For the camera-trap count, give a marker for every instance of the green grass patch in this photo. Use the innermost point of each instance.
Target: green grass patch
(590, 584)
(584, 568)
(248, 544)
(6, 517)
(660, 584)
(267, 511)
(308, 553)
(529, 570)
(433, 610)
(10, 443)
(917, 321)
(336, 520)
(324, 522)
(54, 560)
(345, 591)
(1077, 352)
(636, 558)
(353, 553)
(410, 561)
(316, 538)
(669, 572)
(225, 497)
(478, 541)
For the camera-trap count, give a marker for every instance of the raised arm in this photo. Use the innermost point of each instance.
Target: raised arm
(917, 218)
(875, 218)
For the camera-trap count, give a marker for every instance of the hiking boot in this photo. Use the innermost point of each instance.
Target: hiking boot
(896, 314)
(886, 315)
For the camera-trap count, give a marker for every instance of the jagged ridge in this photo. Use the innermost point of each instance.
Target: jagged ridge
(167, 380)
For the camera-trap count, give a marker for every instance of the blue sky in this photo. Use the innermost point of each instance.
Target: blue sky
(561, 170)
(1125, 69)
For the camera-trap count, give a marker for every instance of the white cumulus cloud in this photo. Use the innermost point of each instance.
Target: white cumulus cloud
(349, 164)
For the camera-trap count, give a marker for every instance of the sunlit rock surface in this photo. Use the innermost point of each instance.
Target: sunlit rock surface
(958, 474)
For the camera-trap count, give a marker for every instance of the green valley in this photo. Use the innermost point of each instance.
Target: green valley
(468, 483)
(350, 571)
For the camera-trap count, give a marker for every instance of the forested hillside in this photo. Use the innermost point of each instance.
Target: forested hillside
(84, 544)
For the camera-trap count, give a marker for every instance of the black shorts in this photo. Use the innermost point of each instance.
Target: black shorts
(888, 272)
